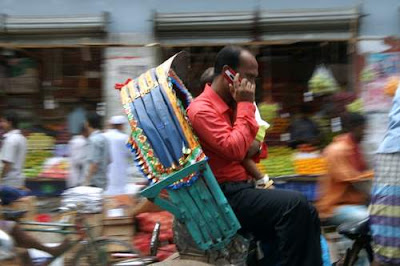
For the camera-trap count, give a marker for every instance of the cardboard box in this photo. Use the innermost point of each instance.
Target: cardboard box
(116, 247)
(94, 219)
(118, 209)
(118, 230)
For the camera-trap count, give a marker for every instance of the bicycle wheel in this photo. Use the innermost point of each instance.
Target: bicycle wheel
(101, 253)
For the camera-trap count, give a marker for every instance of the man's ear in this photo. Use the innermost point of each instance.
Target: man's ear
(225, 67)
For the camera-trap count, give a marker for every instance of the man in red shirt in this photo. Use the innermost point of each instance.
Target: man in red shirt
(223, 117)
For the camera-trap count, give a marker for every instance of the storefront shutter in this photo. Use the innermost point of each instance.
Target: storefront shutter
(308, 25)
(60, 30)
(197, 28)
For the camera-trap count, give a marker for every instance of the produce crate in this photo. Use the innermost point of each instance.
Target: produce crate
(307, 185)
(46, 187)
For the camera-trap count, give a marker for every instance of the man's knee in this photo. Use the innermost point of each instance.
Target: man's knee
(299, 203)
(298, 200)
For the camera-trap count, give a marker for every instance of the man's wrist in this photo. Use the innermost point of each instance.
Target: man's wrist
(244, 100)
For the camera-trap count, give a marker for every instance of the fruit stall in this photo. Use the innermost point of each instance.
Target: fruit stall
(295, 169)
(45, 172)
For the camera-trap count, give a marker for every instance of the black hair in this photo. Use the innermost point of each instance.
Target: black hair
(94, 120)
(207, 77)
(353, 120)
(230, 56)
(11, 117)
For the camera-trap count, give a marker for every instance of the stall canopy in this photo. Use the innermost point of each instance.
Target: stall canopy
(53, 29)
(265, 26)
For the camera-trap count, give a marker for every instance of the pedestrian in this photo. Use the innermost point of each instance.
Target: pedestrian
(120, 155)
(78, 149)
(13, 151)
(223, 117)
(385, 201)
(344, 190)
(206, 78)
(98, 154)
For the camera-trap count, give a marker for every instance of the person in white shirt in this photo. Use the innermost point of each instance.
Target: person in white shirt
(13, 151)
(120, 156)
(77, 147)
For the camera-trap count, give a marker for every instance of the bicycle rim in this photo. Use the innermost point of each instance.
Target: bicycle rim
(100, 253)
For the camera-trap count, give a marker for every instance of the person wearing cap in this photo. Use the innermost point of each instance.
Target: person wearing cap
(120, 155)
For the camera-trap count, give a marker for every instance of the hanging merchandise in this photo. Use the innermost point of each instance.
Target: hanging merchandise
(368, 74)
(268, 111)
(322, 81)
(377, 93)
(391, 86)
(356, 106)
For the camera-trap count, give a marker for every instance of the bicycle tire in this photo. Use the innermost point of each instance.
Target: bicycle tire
(84, 255)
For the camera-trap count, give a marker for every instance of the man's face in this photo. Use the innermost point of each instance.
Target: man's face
(4, 124)
(248, 67)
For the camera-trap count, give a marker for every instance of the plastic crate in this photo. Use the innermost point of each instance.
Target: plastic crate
(46, 188)
(307, 188)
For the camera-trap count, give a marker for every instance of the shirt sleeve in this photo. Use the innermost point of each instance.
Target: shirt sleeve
(9, 151)
(231, 142)
(341, 169)
(95, 151)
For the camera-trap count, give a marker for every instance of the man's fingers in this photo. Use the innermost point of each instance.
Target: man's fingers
(236, 81)
(236, 78)
(243, 84)
(231, 89)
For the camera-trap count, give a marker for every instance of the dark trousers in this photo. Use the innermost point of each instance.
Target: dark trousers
(279, 216)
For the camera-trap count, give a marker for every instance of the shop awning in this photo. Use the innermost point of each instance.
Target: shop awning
(53, 29)
(178, 28)
(269, 26)
(309, 24)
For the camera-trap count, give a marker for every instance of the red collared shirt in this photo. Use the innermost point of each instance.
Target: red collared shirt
(225, 143)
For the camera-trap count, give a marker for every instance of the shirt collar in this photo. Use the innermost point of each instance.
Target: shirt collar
(12, 132)
(216, 100)
(95, 132)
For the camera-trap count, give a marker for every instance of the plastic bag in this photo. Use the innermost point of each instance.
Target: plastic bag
(322, 81)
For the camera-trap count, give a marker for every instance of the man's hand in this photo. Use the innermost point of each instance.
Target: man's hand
(264, 183)
(254, 149)
(242, 91)
(93, 167)
(6, 169)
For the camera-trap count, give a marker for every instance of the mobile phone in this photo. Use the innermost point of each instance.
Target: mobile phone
(230, 74)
